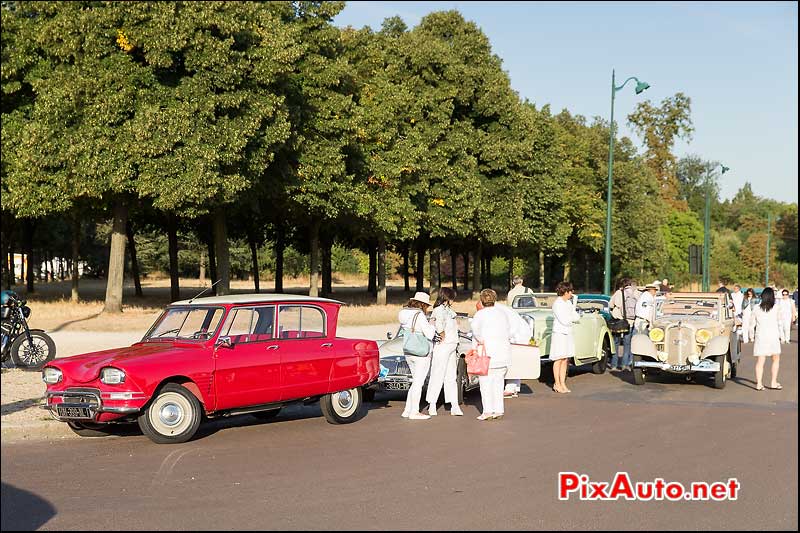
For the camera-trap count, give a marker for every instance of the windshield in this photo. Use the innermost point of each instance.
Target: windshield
(694, 307)
(190, 323)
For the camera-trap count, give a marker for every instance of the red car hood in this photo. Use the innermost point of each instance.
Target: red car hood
(86, 367)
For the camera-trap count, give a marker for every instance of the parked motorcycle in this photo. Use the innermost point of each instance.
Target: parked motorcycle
(29, 349)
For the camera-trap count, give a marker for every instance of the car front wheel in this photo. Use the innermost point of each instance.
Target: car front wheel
(721, 376)
(343, 407)
(638, 373)
(600, 366)
(173, 416)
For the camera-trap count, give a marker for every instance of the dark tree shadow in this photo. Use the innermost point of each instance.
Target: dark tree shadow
(23, 510)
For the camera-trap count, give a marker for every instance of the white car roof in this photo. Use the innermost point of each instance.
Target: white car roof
(253, 299)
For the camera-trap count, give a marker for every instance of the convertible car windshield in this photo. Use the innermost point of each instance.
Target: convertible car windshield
(704, 308)
(191, 323)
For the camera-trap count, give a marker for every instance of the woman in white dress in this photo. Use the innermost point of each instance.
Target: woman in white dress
(562, 344)
(412, 317)
(445, 359)
(767, 343)
(748, 324)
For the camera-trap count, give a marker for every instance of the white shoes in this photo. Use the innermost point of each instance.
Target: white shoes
(432, 410)
(455, 411)
(418, 416)
(404, 415)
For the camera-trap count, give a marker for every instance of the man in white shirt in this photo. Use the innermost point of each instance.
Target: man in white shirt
(516, 290)
(646, 308)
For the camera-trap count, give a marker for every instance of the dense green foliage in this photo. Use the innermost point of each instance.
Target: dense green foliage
(263, 126)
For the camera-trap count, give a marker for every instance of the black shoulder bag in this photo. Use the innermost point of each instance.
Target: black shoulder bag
(620, 326)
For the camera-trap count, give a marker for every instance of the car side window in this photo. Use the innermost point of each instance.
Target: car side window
(239, 325)
(300, 322)
(264, 327)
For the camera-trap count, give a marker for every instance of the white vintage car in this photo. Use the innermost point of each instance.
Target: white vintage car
(692, 332)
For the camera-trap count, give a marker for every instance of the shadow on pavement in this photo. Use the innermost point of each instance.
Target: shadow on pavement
(23, 510)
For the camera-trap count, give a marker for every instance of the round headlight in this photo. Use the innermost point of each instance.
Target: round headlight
(702, 336)
(112, 376)
(656, 334)
(51, 375)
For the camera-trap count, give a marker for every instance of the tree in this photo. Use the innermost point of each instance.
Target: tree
(660, 127)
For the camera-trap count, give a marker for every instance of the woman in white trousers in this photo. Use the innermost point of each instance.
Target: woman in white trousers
(787, 315)
(412, 318)
(748, 324)
(444, 361)
(491, 328)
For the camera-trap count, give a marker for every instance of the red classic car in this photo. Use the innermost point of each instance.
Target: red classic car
(217, 356)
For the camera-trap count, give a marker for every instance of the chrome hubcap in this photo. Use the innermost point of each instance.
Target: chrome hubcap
(170, 414)
(345, 399)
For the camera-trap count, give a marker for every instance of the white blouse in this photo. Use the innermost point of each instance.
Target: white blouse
(564, 315)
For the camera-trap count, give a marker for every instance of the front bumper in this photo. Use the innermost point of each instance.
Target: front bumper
(704, 365)
(92, 404)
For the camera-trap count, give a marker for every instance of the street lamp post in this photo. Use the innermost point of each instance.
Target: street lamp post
(769, 230)
(640, 86)
(707, 230)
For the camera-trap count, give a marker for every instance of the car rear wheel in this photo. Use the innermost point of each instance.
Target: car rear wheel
(600, 366)
(638, 373)
(173, 416)
(87, 429)
(343, 407)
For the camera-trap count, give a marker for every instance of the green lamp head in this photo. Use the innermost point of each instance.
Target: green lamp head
(641, 86)
(725, 169)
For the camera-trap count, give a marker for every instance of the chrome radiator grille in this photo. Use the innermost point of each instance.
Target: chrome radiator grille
(396, 367)
(679, 344)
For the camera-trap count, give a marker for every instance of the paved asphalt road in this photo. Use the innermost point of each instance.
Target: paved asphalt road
(385, 472)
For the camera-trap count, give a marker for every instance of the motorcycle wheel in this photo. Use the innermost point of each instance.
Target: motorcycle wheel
(34, 356)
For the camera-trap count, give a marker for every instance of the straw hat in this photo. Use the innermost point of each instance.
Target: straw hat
(422, 297)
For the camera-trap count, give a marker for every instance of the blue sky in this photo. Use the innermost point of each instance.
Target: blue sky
(737, 61)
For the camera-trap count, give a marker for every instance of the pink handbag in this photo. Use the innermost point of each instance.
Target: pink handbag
(477, 365)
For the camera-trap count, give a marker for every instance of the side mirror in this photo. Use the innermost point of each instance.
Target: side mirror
(224, 342)
(389, 335)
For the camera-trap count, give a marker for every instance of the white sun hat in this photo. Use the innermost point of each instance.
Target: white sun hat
(423, 297)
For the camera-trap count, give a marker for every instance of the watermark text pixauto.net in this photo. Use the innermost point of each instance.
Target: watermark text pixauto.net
(581, 487)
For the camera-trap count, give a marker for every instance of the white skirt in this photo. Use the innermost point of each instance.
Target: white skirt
(562, 346)
(766, 345)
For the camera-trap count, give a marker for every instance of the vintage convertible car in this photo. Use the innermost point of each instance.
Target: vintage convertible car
(594, 343)
(217, 356)
(692, 332)
(395, 375)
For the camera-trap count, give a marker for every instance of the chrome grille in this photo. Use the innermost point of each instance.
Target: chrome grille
(679, 344)
(396, 367)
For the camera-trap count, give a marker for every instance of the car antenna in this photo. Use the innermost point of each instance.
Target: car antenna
(204, 290)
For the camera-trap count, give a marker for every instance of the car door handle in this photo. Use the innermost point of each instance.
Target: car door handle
(327, 345)
(273, 347)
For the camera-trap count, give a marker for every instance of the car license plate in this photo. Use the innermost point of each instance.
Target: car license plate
(680, 368)
(397, 385)
(73, 412)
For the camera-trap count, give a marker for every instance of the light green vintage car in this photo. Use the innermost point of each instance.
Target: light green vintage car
(594, 343)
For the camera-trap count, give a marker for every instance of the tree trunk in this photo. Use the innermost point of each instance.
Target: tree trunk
(116, 260)
(172, 239)
(137, 280)
(373, 266)
(465, 256)
(52, 270)
(313, 289)
(327, 266)
(28, 243)
(420, 274)
(381, 271)
(568, 264)
(279, 248)
(541, 270)
(222, 252)
(251, 240)
(438, 284)
(76, 246)
(406, 281)
(434, 276)
(212, 264)
(476, 271)
(510, 279)
(202, 267)
(586, 269)
(454, 268)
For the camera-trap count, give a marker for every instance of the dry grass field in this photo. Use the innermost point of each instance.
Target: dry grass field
(52, 309)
